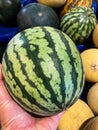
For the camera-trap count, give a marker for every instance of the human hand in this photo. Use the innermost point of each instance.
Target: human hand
(13, 117)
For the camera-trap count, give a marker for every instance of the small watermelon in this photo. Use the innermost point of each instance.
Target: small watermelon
(78, 23)
(43, 70)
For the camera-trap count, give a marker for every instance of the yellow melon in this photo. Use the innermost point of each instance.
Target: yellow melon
(75, 116)
(92, 124)
(52, 3)
(92, 98)
(95, 36)
(90, 63)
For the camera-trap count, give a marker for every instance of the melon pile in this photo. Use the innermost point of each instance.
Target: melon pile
(79, 24)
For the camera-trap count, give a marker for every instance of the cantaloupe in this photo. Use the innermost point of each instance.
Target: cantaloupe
(52, 3)
(92, 124)
(95, 36)
(92, 98)
(75, 116)
(90, 63)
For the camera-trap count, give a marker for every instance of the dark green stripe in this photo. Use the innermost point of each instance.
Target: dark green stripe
(42, 75)
(67, 20)
(58, 66)
(74, 73)
(24, 92)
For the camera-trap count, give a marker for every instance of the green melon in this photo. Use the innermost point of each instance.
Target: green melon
(43, 70)
(78, 23)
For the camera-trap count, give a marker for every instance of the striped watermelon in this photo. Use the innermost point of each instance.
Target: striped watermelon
(78, 23)
(43, 71)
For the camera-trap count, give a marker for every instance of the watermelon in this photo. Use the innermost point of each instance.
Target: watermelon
(78, 23)
(43, 71)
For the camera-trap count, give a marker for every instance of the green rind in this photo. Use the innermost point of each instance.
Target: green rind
(78, 23)
(43, 71)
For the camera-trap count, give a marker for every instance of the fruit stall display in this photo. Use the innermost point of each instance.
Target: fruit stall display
(49, 53)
